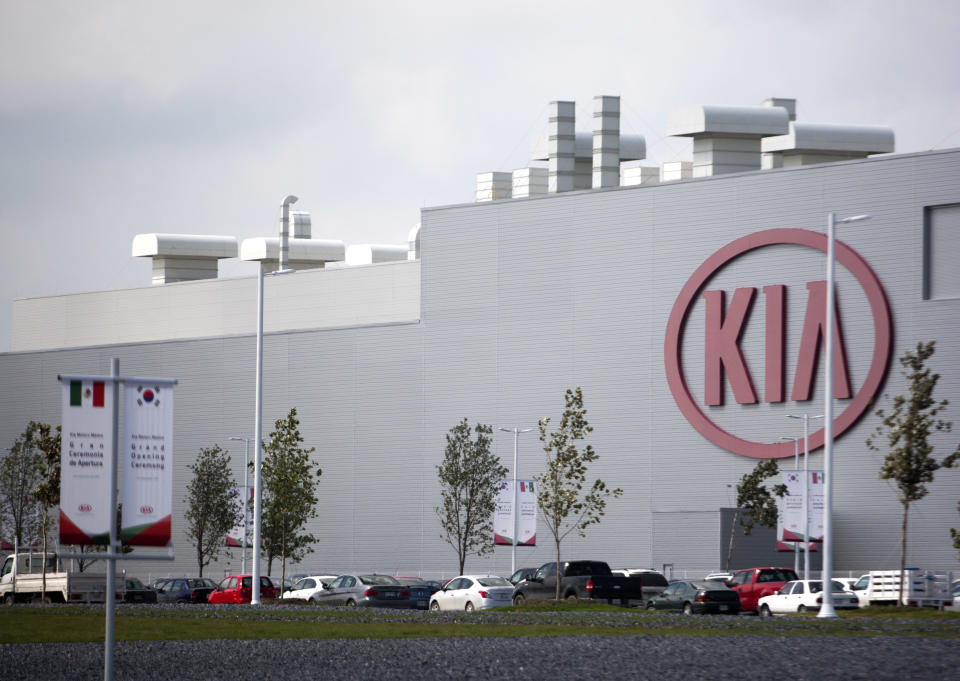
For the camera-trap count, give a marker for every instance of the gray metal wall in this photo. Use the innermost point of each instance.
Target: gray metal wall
(523, 299)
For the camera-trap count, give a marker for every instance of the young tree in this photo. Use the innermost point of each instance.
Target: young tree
(563, 500)
(21, 470)
(907, 429)
(955, 535)
(212, 510)
(756, 505)
(47, 492)
(290, 493)
(469, 477)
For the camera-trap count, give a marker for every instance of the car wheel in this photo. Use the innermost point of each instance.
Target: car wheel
(434, 606)
(351, 603)
(468, 607)
(650, 606)
(572, 596)
(687, 609)
(802, 608)
(9, 599)
(518, 599)
(765, 611)
(313, 600)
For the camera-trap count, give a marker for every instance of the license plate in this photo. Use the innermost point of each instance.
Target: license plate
(390, 594)
(723, 608)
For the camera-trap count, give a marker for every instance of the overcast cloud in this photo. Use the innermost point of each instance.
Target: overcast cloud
(123, 117)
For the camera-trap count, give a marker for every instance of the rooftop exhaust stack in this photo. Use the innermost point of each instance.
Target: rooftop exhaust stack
(301, 224)
(562, 147)
(285, 230)
(606, 141)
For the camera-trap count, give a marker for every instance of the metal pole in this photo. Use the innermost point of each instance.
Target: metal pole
(513, 553)
(806, 496)
(257, 437)
(826, 608)
(246, 503)
(111, 596)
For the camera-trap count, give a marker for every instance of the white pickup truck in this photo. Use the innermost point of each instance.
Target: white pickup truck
(921, 587)
(21, 580)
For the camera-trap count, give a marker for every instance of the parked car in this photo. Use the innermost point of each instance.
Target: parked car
(186, 590)
(522, 574)
(473, 592)
(919, 587)
(369, 590)
(803, 595)
(135, 592)
(583, 579)
(697, 598)
(432, 584)
(307, 588)
(239, 589)
(753, 584)
(287, 584)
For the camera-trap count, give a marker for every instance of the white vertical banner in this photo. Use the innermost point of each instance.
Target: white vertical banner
(526, 519)
(790, 517)
(147, 454)
(235, 536)
(85, 449)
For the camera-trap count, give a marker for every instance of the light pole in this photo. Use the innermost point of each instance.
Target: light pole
(796, 466)
(806, 488)
(246, 499)
(516, 446)
(258, 407)
(826, 609)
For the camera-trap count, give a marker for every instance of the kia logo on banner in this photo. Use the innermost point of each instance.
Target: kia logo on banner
(85, 508)
(724, 359)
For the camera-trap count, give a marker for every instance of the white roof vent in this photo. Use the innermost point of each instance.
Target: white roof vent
(809, 143)
(369, 254)
(305, 254)
(184, 257)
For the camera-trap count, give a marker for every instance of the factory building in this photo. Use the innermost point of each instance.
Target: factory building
(686, 300)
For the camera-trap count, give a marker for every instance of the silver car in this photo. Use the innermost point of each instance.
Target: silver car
(380, 591)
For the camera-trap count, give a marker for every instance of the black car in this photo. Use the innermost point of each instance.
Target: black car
(186, 590)
(522, 574)
(135, 592)
(697, 598)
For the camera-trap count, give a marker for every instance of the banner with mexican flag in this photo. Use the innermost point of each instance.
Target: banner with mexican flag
(147, 455)
(526, 520)
(86, 445)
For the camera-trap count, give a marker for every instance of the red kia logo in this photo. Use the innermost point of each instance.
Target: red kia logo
(723, 356)
(146, 510)
(85, 508)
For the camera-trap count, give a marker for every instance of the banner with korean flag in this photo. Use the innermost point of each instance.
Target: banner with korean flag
(147, 455)
(790, 527)
(85, 451)
(503, 525)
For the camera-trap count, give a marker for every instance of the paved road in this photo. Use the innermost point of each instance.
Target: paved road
(685, 657)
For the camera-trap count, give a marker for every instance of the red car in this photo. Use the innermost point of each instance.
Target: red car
(753, 584)
(239, 589)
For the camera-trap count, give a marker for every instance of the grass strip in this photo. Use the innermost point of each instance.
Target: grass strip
(39, 625)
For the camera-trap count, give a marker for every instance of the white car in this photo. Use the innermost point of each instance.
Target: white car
(803, 595)
(473, 592)
(307, 588)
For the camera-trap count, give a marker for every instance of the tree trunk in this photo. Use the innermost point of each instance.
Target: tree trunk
(558, 571)
(903, 549)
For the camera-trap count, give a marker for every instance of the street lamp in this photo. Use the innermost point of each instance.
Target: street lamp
(826, 609)
(796, 466)
(258, 408)
(516, 446)
(246, 499)
(806, 488)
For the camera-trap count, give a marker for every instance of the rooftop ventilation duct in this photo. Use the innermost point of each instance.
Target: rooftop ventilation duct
(304, 254)
(809, 143)
(494, 185)
(413, 243)
(561, 153)
(301, 224)
(184, 257)
(726, 139)
(369, 254)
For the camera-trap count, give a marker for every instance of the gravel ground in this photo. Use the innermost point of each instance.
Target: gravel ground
(800, 650)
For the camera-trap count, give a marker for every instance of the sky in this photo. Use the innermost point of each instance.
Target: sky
(126, 117)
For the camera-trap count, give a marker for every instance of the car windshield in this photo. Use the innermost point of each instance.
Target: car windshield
(379, 580)
(134, 583)
(494, 581)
